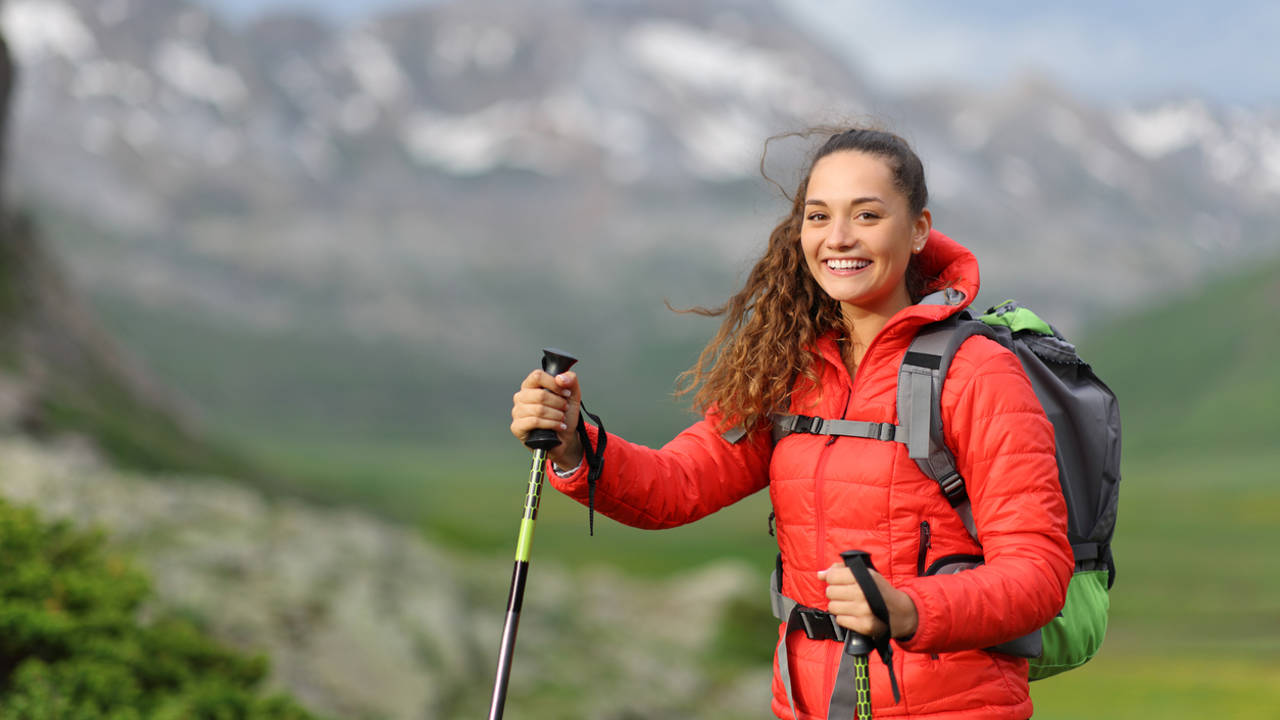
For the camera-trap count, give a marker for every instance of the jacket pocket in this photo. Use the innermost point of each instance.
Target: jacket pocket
(922, 555)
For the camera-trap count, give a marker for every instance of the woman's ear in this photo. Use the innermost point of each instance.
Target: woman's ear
(920, 231)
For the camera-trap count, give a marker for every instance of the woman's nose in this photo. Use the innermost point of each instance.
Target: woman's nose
(841, 234)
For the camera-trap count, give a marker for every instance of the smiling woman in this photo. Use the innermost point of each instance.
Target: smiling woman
(820, 330)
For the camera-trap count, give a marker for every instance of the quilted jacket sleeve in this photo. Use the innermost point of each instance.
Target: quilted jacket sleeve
(690, 477)
(1004, 449)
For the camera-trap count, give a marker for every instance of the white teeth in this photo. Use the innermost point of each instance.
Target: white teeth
(847, 264)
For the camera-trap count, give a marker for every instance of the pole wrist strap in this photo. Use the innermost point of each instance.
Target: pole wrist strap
(594, 457)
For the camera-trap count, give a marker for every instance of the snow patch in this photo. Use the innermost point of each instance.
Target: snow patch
(749, 87)
(1164, 130)
(722, 145)
(37, 29)
(464, 144)
(569, 113)
(1244, 150)
(375, 67)
(540, 136)
(1269, 161)
(686, 56)
(189, 69)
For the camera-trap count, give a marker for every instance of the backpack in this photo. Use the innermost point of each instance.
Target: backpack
(1086, 423)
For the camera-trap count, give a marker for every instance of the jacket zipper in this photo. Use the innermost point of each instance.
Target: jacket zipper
(923, 556)
(821, 520)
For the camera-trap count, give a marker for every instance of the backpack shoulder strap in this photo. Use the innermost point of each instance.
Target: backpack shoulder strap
(920, 378)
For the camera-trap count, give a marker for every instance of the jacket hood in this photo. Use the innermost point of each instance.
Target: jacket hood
(956, 271)
(953, 265)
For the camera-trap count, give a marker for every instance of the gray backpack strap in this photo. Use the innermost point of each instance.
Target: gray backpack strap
(784, 425)
(920, 378)
(783, 608)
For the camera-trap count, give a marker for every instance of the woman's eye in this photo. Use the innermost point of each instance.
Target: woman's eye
(866, 215)
(816, 216)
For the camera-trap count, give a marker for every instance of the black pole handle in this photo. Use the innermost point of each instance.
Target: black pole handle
(555, 362)
(855, 643)
(859, 563)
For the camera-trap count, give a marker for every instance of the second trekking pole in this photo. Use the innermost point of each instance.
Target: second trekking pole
(540, 441)
(852, 695)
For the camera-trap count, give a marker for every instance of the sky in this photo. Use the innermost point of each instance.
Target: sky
(1113, 52)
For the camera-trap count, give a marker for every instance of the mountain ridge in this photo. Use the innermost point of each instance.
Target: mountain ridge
(425, 177)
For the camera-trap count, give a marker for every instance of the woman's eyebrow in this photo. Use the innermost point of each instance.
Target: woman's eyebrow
(855, 201)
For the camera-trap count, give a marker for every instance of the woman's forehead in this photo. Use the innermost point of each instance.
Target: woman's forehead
(851, 173)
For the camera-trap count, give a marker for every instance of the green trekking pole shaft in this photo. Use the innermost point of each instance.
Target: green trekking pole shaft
(541, 440)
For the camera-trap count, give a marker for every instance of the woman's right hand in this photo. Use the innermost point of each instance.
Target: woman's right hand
(550, 402)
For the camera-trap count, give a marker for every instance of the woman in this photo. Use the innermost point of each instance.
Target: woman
(820, 329)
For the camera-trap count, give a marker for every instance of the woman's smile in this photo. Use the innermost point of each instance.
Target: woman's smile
(844, 266)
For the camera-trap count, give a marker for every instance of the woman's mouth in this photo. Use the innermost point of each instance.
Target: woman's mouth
(847, 264)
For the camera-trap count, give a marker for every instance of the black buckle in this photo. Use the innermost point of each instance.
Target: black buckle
(809, 424)
(953, 488)
(820, 625)
(886, 432)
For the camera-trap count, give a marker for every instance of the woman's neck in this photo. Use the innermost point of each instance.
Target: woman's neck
(861, 328)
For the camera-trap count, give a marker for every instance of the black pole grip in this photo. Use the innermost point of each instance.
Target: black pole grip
(855, 643)
(555, 362)
(859, 563)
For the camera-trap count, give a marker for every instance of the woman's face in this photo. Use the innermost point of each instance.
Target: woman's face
(858, 233)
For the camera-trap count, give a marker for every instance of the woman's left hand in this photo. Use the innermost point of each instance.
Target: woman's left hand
(850, 606)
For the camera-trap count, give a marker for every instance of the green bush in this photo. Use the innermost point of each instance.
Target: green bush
(72, 646)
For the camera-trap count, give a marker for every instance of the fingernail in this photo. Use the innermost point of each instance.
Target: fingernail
(563, 426)
(563, 377)
(567, 393)
(822, 574)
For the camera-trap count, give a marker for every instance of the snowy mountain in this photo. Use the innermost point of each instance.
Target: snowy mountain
(428, 177)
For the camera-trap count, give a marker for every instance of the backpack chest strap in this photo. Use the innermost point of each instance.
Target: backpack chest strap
(784, 425)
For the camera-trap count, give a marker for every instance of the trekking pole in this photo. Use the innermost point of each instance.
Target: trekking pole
(858, 646)
(540, 440)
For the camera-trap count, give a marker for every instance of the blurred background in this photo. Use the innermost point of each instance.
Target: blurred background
(272, 270)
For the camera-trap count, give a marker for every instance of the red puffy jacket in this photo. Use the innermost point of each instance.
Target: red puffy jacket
(834, 494)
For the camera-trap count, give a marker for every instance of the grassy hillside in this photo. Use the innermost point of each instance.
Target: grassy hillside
(1195, 617)
(1199, 373)
(69, 375)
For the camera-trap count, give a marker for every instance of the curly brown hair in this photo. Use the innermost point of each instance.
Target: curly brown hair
(747, 370)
